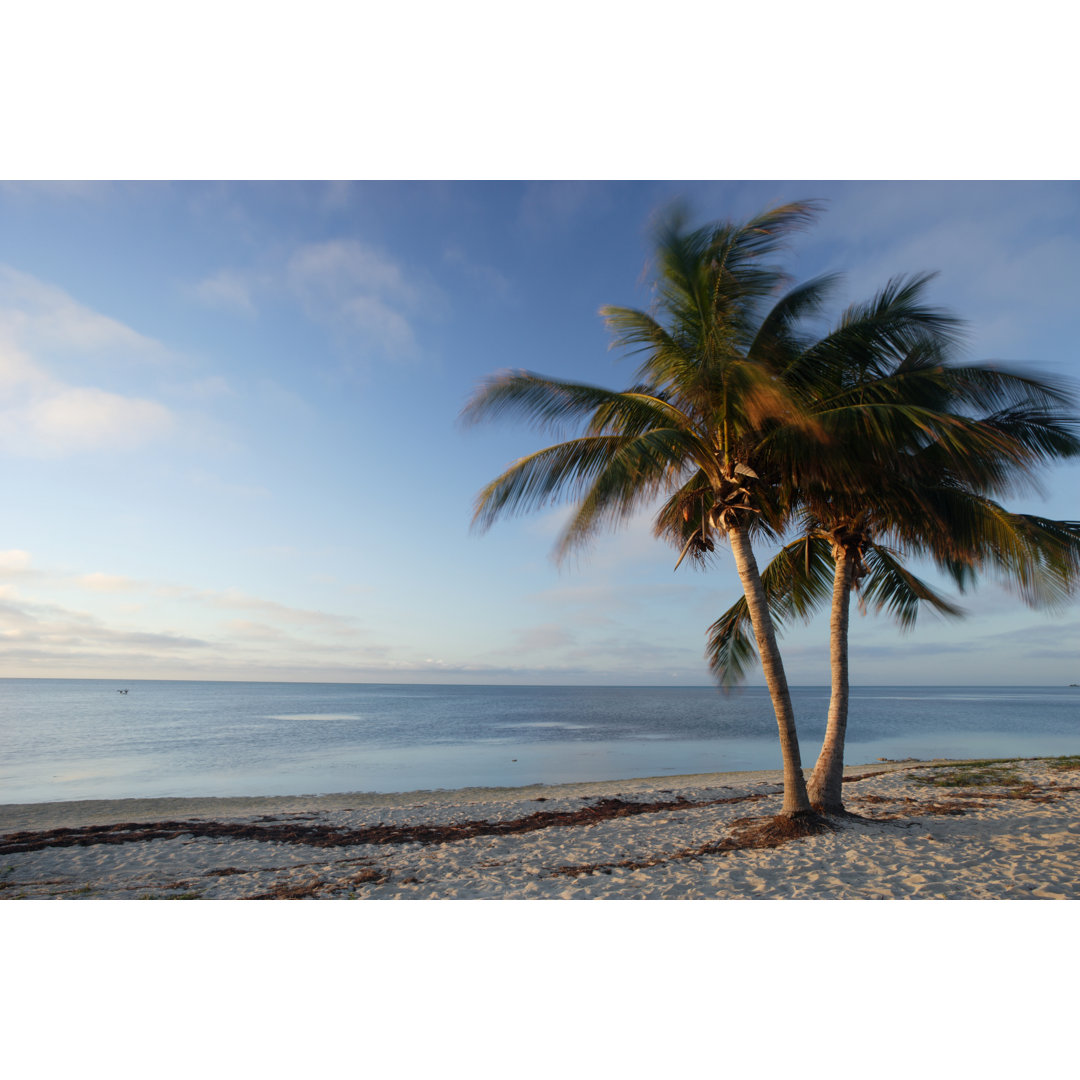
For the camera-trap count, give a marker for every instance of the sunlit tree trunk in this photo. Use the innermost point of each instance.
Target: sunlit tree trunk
(826, 783)
(796, 800)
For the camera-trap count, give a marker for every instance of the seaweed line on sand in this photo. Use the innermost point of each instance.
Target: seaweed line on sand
(327, 836)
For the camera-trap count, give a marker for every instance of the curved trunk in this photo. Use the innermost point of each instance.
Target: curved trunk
(796, 800)
(826, 783)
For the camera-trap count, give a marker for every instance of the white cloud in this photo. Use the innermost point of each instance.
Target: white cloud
(41, 414)
(73, 419)
(44, 316)
(19, 374)
(14, 562)
(99, 582)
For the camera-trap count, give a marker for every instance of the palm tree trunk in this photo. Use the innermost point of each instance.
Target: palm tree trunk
(826, 783)
(796, 800)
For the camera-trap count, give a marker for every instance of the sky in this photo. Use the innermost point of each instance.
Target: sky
(230, 444)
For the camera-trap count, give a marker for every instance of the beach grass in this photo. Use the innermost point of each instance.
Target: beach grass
(987, 772)
(1065, 764)
(994, 772)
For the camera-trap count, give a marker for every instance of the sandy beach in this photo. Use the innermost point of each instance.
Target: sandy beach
(917, 830)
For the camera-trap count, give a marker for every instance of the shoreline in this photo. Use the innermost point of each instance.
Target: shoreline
(71, 812)
(916, 829)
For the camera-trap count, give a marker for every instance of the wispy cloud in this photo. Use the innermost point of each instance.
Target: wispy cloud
(354, 288)
(42, 316)
(99, 582)
(86, 622)
(73, 419)
(15, 563)
(44, 415)
(30, 625)
(235, 599)
(1005, 263)
(348, 287)
(229, 290)
(41, 416)
(556, 204)
(543, 638)
(487, 278)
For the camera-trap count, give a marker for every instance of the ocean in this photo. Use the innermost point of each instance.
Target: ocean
(100, 739)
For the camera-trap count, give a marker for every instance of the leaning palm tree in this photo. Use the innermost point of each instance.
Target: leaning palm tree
(916, 493)
(720, 421)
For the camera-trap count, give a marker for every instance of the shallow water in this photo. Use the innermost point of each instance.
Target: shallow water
(81, 739)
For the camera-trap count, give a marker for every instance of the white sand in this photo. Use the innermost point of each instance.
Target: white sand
(999, 848)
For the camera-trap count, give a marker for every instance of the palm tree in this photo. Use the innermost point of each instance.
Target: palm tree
(916, 493)
(1037, 555)
(721, 415)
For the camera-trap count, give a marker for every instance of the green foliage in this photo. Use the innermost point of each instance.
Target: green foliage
(911, 464)
(989, 773)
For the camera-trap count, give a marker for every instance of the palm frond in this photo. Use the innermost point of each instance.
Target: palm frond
(730, 649)
(545, 478)
(797, 581)
(1035, 557)
(899, 315)
(551, 402)
(632, 474)
(891, 587)
(778, 337)
(991, 388)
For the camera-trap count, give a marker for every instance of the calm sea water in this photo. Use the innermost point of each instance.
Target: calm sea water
(81, 739)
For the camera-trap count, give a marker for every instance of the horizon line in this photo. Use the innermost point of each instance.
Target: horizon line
(540, 686)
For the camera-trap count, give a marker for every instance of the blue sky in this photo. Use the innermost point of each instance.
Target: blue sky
(230, 449)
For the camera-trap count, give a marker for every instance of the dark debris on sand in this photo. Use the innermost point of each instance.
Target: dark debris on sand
(750, 833)
(331, 836)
